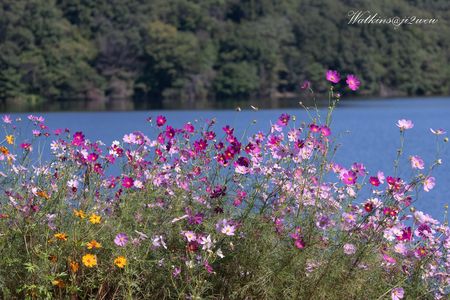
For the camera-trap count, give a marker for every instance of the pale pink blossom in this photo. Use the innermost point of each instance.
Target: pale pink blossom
(404, 124)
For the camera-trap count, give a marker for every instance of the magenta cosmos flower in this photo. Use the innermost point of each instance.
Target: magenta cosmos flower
(349, 178)
(333, 76)
(160, 121)
(325, 130)
(283, 120)
(404, 124)
(397, 293)
(78, 138)
(121, 239)
(127, 182)
(353, 82)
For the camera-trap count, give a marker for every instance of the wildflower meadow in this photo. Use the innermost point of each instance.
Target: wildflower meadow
(201, 212)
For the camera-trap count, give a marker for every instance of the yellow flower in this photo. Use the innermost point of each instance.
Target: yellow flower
(89, 260)
(43, 194)
(74, 266)
(120, 261)
(58, 282)
(10, 139)
(79, 213)
(4, 150)
(95, 219)
(93, 245)
(61, 236)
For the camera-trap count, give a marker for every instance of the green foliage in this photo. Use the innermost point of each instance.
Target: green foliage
(107, 50)
(237, 79)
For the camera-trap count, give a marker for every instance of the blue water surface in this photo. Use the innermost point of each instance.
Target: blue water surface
(366, 129)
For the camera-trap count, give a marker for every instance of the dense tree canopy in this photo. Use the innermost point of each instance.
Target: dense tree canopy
(58, 50)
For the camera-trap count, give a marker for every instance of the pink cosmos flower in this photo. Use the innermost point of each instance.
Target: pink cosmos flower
(26, 146)
(188, 127)
(57, 131)
(358, 168)
(325, 130)
(374, 181)
(353, 82)
(429, 183)
(389, 259)
(333, 76)
(121, 239)
(190, 236)
(92, 157)
(283, 120)
(349, 177)
(242, 165)
(299, 243)
(397, 293)
(417, 162)
(7, 119)
(78, 138)
(228, 229)
(438, 131)
(314, 128)
(160, 121)
(127, 182)
(208, 267)
(404, 124)
(381, 177)
(306, 85)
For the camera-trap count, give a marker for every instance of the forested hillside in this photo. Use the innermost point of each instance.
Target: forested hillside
(59, 50)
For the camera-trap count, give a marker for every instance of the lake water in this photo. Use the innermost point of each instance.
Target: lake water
(368, 130)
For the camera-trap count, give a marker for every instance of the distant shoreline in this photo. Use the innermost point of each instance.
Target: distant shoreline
(130, 105)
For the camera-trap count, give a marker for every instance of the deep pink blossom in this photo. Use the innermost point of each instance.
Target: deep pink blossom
(127, 182)
(160, 121)
(325, 130)
(283, 120)
(78, 139)
(353, 82)
(333, 76)
(349, 177)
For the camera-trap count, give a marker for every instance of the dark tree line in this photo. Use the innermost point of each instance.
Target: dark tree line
(58, 50)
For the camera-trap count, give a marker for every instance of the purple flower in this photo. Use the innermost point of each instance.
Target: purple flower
(121, 239)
